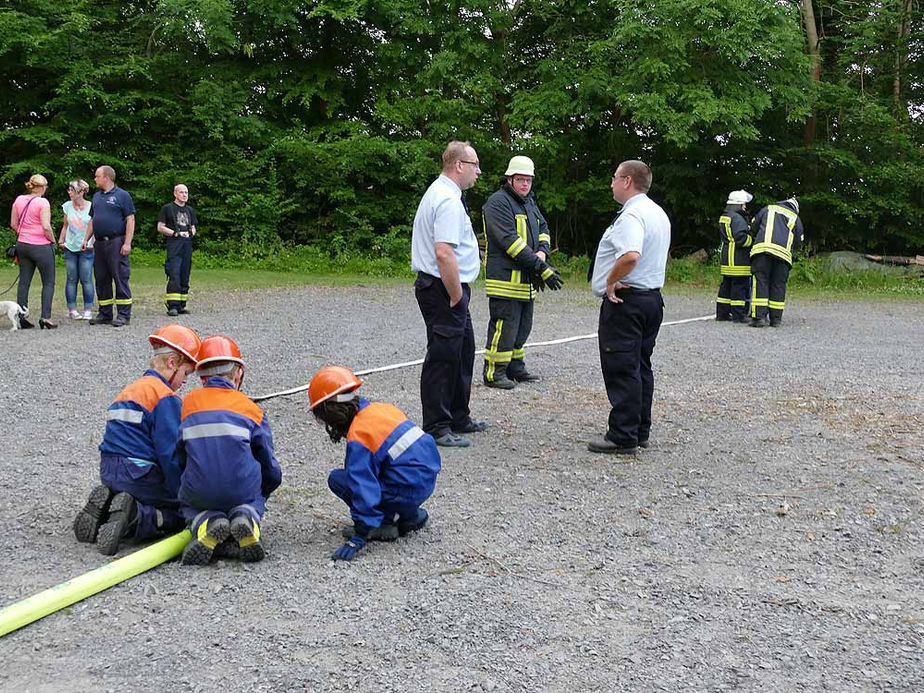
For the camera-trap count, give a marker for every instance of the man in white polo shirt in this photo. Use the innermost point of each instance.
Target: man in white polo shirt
(444, 253)
(628, 276)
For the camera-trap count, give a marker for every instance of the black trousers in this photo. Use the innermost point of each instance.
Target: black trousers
(508, 329)
(732, 301)
(446, 376)
(110, 266)
(627, 334)
(42, 257)
(770, 275)
(177, 268)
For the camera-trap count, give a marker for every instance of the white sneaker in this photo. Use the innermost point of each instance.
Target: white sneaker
(74, 313)
(87, 315)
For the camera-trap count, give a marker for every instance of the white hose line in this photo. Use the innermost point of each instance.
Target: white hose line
(418, 362)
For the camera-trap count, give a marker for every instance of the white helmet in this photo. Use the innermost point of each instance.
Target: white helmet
(739, 197)
(522, 165)
(794, 203)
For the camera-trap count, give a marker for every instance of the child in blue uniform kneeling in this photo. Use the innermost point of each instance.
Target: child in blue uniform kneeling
(227, 465)
(138, 465)
(390, 467)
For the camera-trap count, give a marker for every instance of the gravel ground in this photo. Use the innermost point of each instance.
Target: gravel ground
(770, 539)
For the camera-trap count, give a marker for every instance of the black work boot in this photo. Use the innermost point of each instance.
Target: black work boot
(123, 519)
(93, 515)
(758, 322)
(407, 526)
(209, 535)
(499, 379)
(522, 376)
(247, 532)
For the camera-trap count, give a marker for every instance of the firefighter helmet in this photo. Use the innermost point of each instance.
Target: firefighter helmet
(794, 203)
(178, 338)
(521, 165)
(739, 197)
(218, 349)
(332, 381)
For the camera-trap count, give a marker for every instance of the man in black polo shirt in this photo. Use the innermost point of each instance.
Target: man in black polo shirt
(112, 222)
(177, 221)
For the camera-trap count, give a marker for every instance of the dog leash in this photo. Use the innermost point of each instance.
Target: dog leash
(10, 286)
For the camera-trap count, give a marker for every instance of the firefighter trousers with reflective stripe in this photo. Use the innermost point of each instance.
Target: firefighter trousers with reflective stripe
(627, 334)
(508, 329)
(733, 298)
(770, 275)
(110, 266)
(177, 268)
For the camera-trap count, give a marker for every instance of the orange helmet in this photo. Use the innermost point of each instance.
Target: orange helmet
(329, 382)
(218, 348)
(178, 338)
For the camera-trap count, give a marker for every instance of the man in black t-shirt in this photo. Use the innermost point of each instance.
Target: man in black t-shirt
(177, 221)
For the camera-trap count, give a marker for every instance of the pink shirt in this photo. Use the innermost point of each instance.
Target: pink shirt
(30, 225)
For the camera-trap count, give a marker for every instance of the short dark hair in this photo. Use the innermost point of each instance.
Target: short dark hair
(638, 171)
(454, 151)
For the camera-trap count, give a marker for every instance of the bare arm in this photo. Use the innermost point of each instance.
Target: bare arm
(86, 239)
(63, 233)
(624, 265)
(163, 229)
(45, 216)
(14, 219)
(449, 271)
(129, 234)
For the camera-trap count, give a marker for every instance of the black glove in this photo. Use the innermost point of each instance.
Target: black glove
(536, 281)
(549, 275)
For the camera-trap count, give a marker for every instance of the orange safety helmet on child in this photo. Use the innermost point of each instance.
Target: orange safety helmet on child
(329, 382)
(178, 338)
(218, 348)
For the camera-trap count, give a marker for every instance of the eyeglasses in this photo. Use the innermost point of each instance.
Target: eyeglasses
(615, 177)
(473, 163)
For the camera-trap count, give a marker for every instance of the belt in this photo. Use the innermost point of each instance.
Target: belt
(638, 290)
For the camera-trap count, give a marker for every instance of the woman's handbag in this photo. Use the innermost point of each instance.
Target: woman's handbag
(11, 253)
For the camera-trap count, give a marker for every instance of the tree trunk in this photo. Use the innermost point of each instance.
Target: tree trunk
(811, 40)
(901, 52)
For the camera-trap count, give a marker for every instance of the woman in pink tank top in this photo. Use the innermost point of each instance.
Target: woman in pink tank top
(31, 220)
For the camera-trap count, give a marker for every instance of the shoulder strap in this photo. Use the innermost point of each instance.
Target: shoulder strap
(23, 216)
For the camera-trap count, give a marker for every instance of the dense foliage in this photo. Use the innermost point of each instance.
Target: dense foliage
(320, 123)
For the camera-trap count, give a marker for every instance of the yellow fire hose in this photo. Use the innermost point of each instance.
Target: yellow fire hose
(30, 609)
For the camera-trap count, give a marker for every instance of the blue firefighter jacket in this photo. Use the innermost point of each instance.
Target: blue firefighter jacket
(142, 426)
(225, 449)
(387, 454)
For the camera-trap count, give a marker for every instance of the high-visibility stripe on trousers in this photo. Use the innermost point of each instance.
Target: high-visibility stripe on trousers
(508, 329)
(770, 275)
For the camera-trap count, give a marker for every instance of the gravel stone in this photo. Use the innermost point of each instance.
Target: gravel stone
(544, 567)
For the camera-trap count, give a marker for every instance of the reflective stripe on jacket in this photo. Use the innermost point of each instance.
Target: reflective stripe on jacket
(225, 448)
(142, 425)
(515, 231)
(736, 240)
(777, 230)
(387, 450)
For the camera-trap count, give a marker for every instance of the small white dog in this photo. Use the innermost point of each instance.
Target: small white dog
(13, 310)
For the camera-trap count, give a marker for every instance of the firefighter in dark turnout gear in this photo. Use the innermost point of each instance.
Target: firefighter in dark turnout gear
(518, 240)
(777, 232)
(734, 231)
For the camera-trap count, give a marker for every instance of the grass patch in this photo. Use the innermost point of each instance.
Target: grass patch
(302, 266)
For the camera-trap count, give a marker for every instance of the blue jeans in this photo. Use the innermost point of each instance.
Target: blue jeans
(79, 266)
